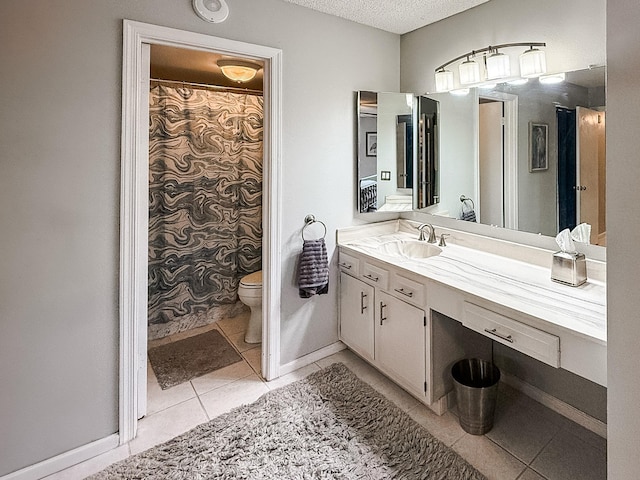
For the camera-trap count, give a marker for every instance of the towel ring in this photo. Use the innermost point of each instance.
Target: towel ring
(310, 220)
(464, 199)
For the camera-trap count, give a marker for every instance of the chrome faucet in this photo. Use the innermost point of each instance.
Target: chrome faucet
(432, 233)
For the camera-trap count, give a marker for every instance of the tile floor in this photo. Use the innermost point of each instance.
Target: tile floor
(528, 441)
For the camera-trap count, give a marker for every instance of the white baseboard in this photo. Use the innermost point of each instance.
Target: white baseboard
(557, 405)
(65, 460)
(311, 357)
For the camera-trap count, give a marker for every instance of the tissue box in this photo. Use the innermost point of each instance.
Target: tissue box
(569, 268)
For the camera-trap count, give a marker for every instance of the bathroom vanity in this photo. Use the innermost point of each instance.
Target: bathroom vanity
(391, 285)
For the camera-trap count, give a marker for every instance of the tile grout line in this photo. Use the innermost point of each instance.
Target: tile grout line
(206, 414)
(542, 450)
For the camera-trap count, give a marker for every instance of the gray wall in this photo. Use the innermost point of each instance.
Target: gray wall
(623, 172)
(586, 396)
(574, 31)
(60, 185)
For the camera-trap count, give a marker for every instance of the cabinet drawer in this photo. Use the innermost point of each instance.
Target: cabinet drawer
(533, 342)
(375, 275)
(348, 263)
(408, 290)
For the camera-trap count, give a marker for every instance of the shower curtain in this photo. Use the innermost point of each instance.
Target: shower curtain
(205, 204)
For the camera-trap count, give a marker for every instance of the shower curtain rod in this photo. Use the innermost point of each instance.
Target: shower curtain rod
(212, 87)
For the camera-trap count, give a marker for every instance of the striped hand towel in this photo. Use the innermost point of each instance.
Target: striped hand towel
(469, 215)
(313, 269)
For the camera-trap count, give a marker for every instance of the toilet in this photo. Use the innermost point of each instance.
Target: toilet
(250, 293)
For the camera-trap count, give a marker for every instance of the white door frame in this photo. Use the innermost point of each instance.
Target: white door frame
(134, 202)
(510, 143)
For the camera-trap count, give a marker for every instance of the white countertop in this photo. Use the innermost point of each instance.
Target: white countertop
(515, 284)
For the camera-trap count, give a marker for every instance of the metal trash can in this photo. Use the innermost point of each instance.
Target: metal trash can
(475, 383)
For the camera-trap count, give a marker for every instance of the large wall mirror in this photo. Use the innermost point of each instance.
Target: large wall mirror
(397, 152)
(528, 157)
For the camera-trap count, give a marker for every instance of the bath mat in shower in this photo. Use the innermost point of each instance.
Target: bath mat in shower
(180, 361)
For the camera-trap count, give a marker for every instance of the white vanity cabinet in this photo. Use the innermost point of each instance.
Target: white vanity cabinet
(400, 342)
(379, 324)
(357, 315)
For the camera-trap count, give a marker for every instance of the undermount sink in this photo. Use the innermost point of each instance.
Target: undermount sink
(409, 249)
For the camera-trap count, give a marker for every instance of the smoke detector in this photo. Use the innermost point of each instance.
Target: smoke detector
(214, 11)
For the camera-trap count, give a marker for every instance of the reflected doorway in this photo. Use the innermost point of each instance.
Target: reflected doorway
(498, 160)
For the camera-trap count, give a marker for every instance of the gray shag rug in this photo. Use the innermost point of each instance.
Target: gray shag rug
(178, 362)
(330, 425)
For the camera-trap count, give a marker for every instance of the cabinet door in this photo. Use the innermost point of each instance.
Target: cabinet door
(400, 336)
(356, 315)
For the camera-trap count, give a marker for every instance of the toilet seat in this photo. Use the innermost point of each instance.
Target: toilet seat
(253, 280)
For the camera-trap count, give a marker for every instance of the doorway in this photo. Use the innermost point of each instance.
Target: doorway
(498, 159)
(582, 170)
(205, 219)
(134, 203)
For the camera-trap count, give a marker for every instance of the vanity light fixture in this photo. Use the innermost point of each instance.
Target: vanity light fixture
(444, 80)
(533, 63)
(238, 70)
(496, 62)
(498, 66)
(469, 72)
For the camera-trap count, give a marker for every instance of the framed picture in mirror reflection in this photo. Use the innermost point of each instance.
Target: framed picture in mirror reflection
(372, 144)
(538, 147)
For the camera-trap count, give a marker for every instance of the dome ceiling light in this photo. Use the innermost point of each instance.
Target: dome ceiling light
(238, 70)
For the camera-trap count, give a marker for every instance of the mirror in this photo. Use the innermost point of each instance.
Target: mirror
(534, 154)
(541, 172)
(397, 152)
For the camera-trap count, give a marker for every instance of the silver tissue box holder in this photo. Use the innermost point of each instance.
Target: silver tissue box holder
(569, 268)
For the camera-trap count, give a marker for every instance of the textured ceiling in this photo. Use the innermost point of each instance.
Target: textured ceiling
(396, 16)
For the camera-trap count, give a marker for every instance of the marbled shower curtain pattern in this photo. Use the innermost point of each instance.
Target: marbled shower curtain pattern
(205, 204)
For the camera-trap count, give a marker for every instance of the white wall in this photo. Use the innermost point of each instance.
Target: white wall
(623, 231)
(60, 185)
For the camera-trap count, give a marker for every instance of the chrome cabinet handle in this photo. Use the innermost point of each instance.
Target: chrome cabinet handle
(362, 305)
(382, 317)
(371, 277)
(493, 331)
(404, 292)
(345, 265)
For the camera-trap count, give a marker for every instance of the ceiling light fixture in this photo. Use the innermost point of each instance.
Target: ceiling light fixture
(238, 70)
(497, 64)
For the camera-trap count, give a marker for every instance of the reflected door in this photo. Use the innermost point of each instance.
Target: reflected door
(490, 150)
(567, 199)
(591, 166)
